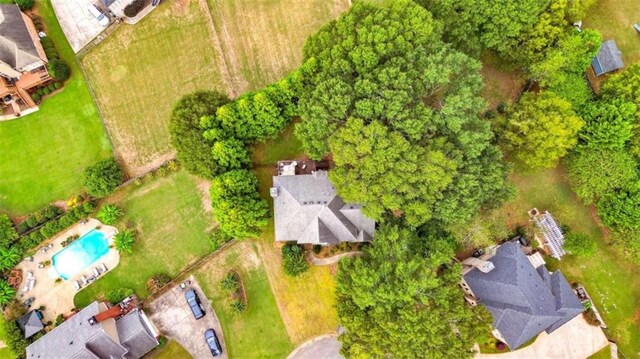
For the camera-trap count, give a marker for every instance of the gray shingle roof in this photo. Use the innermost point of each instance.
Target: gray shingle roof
(609, 58)
(523, 301)
(16, 46)
(30, 324)
(77, 339)
(308, 210)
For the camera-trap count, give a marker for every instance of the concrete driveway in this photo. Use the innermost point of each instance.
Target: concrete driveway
(173, 317)
(78, 25)
(325, 347)
(574, 340)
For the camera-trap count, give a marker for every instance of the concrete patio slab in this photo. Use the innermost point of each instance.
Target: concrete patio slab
(78, 25)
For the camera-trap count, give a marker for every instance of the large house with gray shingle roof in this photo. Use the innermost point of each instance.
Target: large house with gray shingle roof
(308, 210)
(522, 296)
(98, 331)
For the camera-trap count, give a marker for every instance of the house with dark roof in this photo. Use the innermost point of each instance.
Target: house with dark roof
(30, 323)
(609, 58)
(521, 295)
(308, 210)
(22, 62)
(99, 331)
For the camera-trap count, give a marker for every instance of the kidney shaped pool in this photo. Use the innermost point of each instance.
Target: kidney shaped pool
(80, 254)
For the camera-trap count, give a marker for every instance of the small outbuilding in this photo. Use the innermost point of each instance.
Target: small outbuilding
(30, 323)
(609, 58)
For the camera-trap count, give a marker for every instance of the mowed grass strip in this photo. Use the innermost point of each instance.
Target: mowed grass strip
(172, 350)
(44, 154)
(172, 228)
(140, 71)
(258, 332)
(262, 40)
(614, 19)
(609, 278)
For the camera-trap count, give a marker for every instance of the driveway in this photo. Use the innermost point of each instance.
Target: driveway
(325, 347)
(574, 340)
(78, 25)
(172, 316)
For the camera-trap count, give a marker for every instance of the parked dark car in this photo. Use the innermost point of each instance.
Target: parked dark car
(194, 303)
(212, 341)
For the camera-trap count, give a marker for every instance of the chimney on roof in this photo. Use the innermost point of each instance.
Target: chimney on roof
(482, 265)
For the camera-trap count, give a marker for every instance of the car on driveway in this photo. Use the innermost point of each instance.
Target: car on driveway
(212, 341)
(194, 303)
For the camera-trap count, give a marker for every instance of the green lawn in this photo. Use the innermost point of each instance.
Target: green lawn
(614, 19)
(172, 350)
(43, 154)
(172, 225)
(5, 353)
(258, 332)
(610, 279)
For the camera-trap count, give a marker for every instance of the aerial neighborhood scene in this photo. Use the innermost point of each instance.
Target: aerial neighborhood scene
(319, 179)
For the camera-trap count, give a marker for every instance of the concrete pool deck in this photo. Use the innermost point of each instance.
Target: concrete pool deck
(57, 298)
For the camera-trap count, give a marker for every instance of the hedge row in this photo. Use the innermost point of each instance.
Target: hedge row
(37, 218)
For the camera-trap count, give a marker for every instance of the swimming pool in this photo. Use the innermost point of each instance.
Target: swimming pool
(80, 254)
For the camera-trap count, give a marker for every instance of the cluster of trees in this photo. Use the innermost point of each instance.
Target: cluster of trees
(293, 261)
(398, 110)
(603, 167)
(102, 178)
(213, 137)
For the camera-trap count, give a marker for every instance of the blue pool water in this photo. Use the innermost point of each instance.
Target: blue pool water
(80, 254)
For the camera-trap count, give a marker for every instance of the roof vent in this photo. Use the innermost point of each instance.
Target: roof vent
(273, 191)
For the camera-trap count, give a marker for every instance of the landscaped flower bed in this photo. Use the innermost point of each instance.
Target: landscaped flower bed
(232, 283)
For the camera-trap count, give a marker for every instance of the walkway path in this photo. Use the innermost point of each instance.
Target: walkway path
(330, 260)
(324, 346)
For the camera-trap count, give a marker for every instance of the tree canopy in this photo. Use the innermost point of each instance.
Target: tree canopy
(194, 152)
(383, 71)
(608, 124)
(102, 178)
(8, 232)
(620, 209)
(540, 130)
(402, 300)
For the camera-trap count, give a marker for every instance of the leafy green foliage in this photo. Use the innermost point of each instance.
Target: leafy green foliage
(620, 209)
(118, 295)
(109, 213)
(231, 154)
(237, 205)
(624, 85)
(102, 178)
(25, 4)
(385, 72)
(58, 69)
(293, 261)
(574, 88)
(540, 130)
(580, 244)
(230, 282)
(609, 124)
(6, 292)
(157, 281)
(125, 240)
(238, 306)
(402, 300)
(8, 232)
(218, 238)
(9, 257)
(14, 338)
(187, 135)
(593, 172)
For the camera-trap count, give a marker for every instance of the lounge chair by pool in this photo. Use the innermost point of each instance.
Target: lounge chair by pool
(637, 27)
(96, 272)
(84, 280)
(104, 268)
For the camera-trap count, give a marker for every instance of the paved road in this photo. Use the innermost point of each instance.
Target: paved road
(323, 347)
(172, 316)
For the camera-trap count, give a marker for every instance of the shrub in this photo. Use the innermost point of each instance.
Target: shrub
(25, 4)
(46, 42)
(31, 221)
(57, 85)
(161, 171)
(580, 244)
(118, 295)
(102, 178)
(125, 240)
(6, 293)
(51, 87)
(173, 165)
(46, 91)
(58, 69)
(157, 281)
(22, 227)
(293, 260)
(8, 232)
(59, 320)
(317, 248)
(137, 181)
(237, 306)
(40, 92)
(109, 213)
(35, 97)
(590, 317)
(14, 338)
(230, 282)
(217, 238)
(135, 7)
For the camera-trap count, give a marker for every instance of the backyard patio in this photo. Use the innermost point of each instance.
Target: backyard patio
(41, 283)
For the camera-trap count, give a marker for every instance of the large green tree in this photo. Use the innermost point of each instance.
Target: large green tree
(608, 124)
(8, 231)
(237, 205)
(194, 152)
(593, 172)
(102, 178)
(540, 130)
(620, 209)
(387, 67)
(401, 299)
